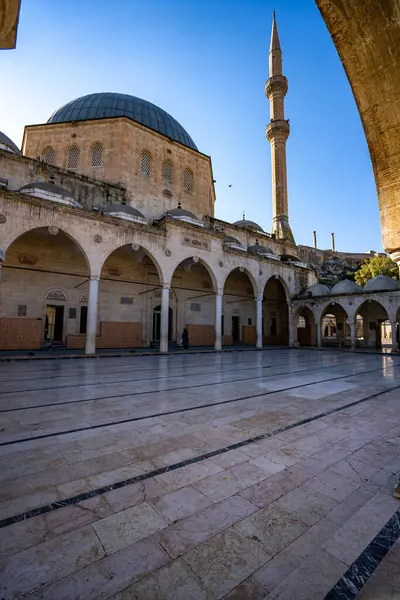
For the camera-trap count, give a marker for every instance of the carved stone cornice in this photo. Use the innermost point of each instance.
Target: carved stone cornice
(274, 83)
(278, 128)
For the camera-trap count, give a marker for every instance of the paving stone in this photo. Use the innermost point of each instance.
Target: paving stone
(180, 504)
(225, 560)
(192, 531)
(272, 528)
(39, 565)
(175, 581)
(128, 526)
(109, 575)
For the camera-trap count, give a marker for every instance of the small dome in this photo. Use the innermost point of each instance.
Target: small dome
(245, 224)
(230, 240)
(110, 104)
(318, 289)
(381, 283)
(7, 144)
(346, 287)
(123, 211)
(49, 191)
(259, 249)
(181, 214)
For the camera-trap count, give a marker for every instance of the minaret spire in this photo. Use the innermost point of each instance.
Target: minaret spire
(277, 133)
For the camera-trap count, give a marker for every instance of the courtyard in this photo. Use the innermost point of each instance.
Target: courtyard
(244, 475)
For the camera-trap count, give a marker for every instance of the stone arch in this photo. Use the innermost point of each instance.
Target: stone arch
(240, 307)
(276, 322)
(282, 282)
(196, 259)
(149, 253)
(249, 274)
(305, 335)
(335, 324)
(71, 235)
(375, 324)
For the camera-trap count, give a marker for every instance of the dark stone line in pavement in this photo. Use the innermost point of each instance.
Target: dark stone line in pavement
(350, 585)
(115, 486)
(191, 408)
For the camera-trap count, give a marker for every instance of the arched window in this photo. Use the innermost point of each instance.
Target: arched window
(167, 172)
(97, 154)
(187, 180)
(145, 163)
(73, 157)
(49, 155)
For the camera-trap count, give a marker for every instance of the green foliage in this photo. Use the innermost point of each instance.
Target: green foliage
(376, 265)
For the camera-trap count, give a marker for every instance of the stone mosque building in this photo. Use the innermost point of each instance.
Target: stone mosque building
(108, 239)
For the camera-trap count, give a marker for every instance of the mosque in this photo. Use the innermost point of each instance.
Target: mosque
(109, 240)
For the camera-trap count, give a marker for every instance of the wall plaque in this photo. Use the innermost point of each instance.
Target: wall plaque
(188, 240)
(27, 259)
(195, 307)
(125, 300)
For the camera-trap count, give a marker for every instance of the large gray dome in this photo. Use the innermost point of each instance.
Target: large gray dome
(111, 104)
(9, 144)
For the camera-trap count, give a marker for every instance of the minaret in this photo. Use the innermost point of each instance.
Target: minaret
(277, 133)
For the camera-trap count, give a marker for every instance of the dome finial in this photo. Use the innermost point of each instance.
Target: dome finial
(179, 204)
(257, 244)
(51, 177)
(244, 216)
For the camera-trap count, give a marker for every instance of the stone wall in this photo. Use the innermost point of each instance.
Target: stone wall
(20, 170)
(123, 141)
(17, 333)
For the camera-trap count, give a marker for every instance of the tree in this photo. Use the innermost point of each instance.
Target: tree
(376, 265)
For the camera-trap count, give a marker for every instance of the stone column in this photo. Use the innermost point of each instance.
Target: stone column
(218, 319)
(319, 336)
(91, 324)
(394, 336)
(164, 318)
(292, 327)
(353, 334)
(259, 322)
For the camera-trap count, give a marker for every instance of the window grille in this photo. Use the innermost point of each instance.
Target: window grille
(73, 157)
(187, 181)
(167, 172)
(49, 155)
(145, 163)
(301, 323)
(97, 155)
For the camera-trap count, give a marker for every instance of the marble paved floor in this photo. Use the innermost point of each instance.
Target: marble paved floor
(256, 475)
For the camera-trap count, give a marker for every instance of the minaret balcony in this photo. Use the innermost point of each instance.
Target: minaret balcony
(276, 83)
(278, 128)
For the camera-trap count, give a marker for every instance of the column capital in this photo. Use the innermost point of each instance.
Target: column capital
(219, 292)
(94, 277)
(259, 298)
(166, 286)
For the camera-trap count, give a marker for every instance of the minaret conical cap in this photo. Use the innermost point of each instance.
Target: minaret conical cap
(275, 43)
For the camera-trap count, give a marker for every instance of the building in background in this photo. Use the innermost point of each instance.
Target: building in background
(108, 239)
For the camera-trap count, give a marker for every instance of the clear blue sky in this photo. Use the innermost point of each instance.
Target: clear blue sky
(206, 62)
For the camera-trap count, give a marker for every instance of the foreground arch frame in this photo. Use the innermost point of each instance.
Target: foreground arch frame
(366, 34)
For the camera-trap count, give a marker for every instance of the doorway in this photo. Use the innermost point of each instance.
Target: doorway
(157, 324)
(54, 323)
(235, 329)
(83, 320)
